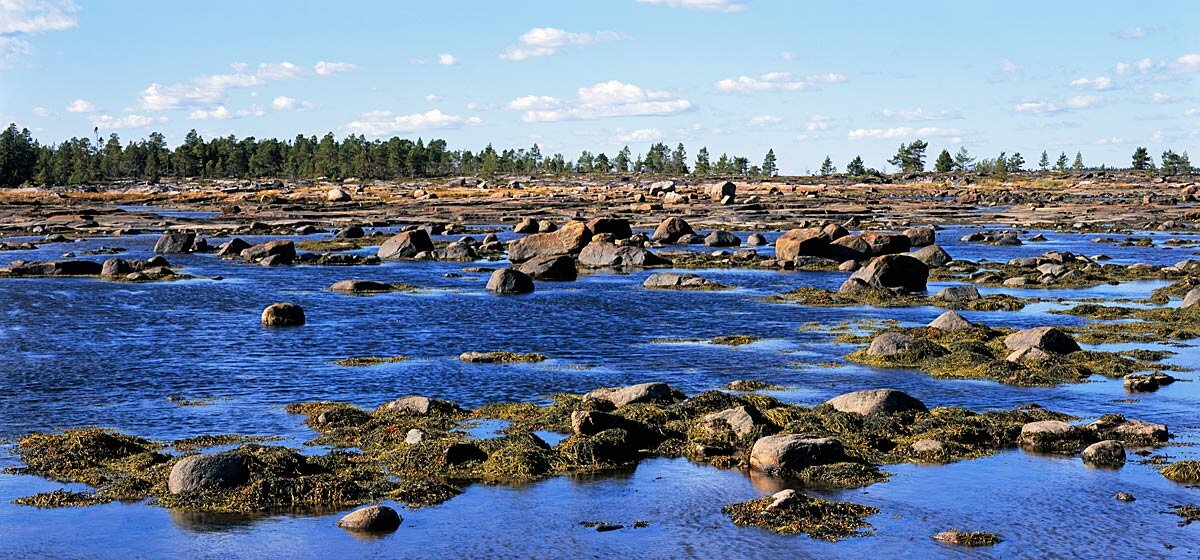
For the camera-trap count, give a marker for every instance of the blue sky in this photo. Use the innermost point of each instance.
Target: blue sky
(806, 78)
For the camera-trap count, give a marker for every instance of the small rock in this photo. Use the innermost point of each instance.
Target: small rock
(371, 519)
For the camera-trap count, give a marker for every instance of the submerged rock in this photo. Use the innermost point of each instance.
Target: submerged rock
(559, 267)
(361, 286)
(719, 238)
(602, 254)
(406, 245)
(175, 243)
(1107, 453)
(676, 281)
(371, 519)
(510, 281)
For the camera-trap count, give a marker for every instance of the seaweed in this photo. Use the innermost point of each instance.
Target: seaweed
(360, 361)
(1183, 472)
(967, 538)
(818, 518)
(61, 498)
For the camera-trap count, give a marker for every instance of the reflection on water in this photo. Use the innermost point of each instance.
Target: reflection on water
(86, 352)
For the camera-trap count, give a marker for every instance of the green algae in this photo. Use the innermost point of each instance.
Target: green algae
(818, 518)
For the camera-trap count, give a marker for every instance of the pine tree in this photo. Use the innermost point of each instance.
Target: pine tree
(827, 167)
(944, 163)
(622, 161)
(1078, 165)
(1044, 163)
(1141, 159)
(963, 161)
(1016, 162)
(1061, 163)
(703, 167)
(768, 166)
(856, 167)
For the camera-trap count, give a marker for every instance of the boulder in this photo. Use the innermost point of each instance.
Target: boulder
(350, 232)
(416, 405)
(921, 236)
(175, 242)
(218, 471)
(1107, 453)
(605, 255)
(592, 422)
(794, 452)
(882, 243)
(283, 315)
(951, 321)
(1050, 435)
(850, 248)
(755, 240)
(617, 227)
(509, 281)
(232, 248)
(371, 519)
(740, 421)
(877, 401)
(405, 245)
(337, 195)
(116, 267)
(559, 267)
(1048, 339)
(932, 255)
(1146, 382)
(655, 392)
(283, 248)
(1191, 299)
(719, 238)
(361, 286)
(569, 240)
(894, 271)
(959, 294)
(676, 281)
(526, 225)
(718, 191)
(671, 229)
(806, 242)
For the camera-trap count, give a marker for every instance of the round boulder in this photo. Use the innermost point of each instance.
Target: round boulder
(509, 281)
(1107, 453)
(371, 519)
(283, 315)
(207, 472)
(877, 401)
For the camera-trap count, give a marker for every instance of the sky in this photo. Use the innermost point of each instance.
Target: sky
(806, 78)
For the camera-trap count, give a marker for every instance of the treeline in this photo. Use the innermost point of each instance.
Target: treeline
(910, 158)
(82, 160)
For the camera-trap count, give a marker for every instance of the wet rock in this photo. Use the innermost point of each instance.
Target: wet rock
(1107, 453)
(784, 499)
(405, 245)
(654, 392)
(1048, 339)
(463, 452)
(877, 401)
(671, 229)
(207, 472)
(1146, 382)
(927, 447)
(361, 286)
(719, 238)
(510, 281)
(951, 321)
(116, 267)
(959, 294)
(175, 243)
(1191, 299)
(283, 315)
(232, 248)
(755, 240)
(618, 228)
(1050, 436)
(894, 271)
(676, 281)
(417, 405)
(560, 267)
(526, 225)
(457, 251)
(802, 242)
(282, 248)
(740, 421)
(1124, 497)
(690, 239)
(932, 255)
(275, 260)
(592, 422)
(921, 236)
(890, 344)
(850, 247)
(350, 232)
(794, 452)
(569, 240)
(883, 243)
(371, 519)
(608, 255)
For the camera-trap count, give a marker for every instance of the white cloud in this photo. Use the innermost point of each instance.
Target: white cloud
(433, 97)
(41, 112)
(639, 135)
(283, 103)
(325, 68)
(776, 81)
(1161, 98)
(545, 41)
(765, 120)
(817, 122)
(603, 100)
(1191, 112)
(128, 121)
(1011, 69)
(920, 114)
(530, 102)
(725, 6)
(81, 106)
(1142, 66)
(447, 59)
(1136, 32)
(1048, 107)
(1099, 83)
(1108, 141)
(903, 132)
(219, 114)
(251, 111)
(381, 123)
(787, 55)
(1187, 63)
(20, 18)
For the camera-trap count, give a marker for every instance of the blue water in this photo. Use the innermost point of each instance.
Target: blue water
(88, 352)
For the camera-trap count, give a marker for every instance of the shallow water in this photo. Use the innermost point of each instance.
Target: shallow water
(87, 352)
